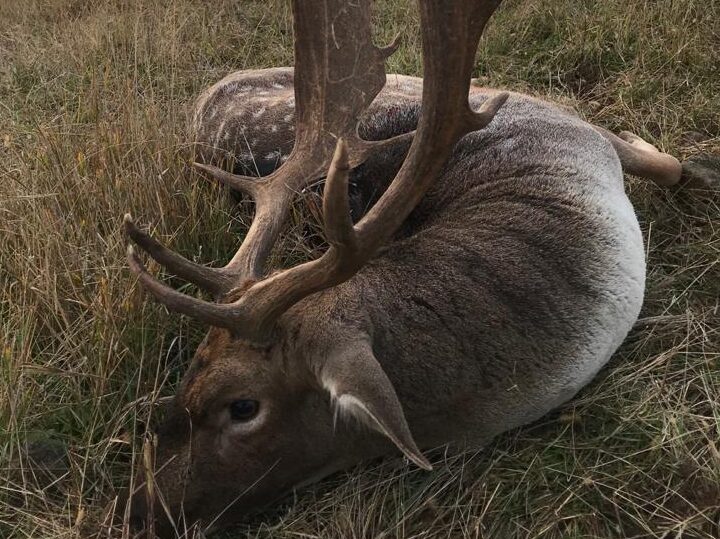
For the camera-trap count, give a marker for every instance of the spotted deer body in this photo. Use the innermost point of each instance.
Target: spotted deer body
(480, 270)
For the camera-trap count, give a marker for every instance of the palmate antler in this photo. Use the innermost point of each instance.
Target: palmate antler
(338, 73)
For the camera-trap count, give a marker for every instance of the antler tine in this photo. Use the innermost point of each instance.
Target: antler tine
(360, 149)
(215, 281)
(339, 229)
(245, 184)
(215, 314)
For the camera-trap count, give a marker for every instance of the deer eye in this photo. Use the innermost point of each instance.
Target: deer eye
(243, 409)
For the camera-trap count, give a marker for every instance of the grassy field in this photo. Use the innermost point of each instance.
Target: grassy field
(94, 99)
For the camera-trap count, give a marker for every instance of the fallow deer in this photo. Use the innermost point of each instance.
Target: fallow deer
(486, 267)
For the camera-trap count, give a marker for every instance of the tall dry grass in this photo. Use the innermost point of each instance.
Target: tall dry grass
(93, 104)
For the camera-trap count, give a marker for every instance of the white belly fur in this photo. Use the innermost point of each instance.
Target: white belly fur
(624, 280)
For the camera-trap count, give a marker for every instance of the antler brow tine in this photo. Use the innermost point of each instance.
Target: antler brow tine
(215, 281)
(223, 315)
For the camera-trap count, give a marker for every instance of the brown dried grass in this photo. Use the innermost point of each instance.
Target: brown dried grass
(93, 102)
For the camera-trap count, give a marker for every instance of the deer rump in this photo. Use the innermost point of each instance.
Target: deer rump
(512, 282)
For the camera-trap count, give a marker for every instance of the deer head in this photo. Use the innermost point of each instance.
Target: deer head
(256, 414)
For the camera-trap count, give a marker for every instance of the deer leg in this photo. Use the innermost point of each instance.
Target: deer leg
(640, 158)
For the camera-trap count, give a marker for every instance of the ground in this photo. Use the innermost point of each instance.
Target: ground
(94, 99)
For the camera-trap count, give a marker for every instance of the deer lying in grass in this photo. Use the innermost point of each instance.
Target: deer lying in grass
(497, 269)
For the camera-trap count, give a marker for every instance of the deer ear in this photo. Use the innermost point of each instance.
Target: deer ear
(360, 387)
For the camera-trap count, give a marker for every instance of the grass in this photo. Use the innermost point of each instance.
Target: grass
(94, 98)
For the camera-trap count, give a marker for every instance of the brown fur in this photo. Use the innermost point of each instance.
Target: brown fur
(510, 285)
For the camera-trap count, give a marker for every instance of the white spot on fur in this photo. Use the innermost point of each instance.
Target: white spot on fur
(284, 158)
(258, 113)
(288, 118)
(274, 128)
(278, 85)
(263, 92)
(290, 102)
